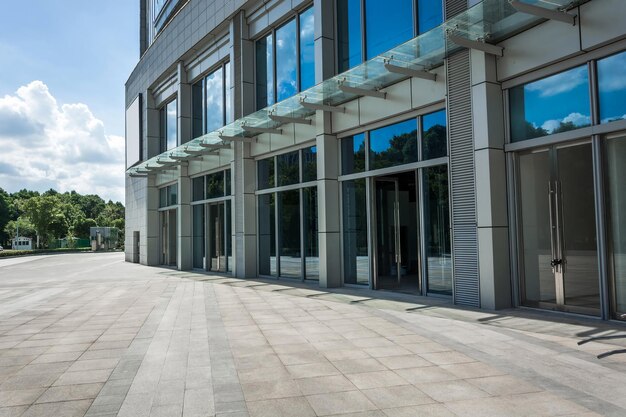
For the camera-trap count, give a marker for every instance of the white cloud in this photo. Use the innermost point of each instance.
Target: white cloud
(559, 83)
(611, 73)
(46, 145)
(577, 119)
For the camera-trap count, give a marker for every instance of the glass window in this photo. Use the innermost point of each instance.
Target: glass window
(355, 243)
(353, 154)
(197, 189)
(173, 194)
(227, 182)
(265, 71)
(215, 185)
(434, 137)
(286, 61)
(214, 100)
(289, 234)
(551, 105)
(211, 101)
(228, 96)
(267, 235)
(309, 164)
(307, 50)
(612, 87)
(265, 173)
(310, 229)
(163, 197)
(350, 34)
(437, 230)
(388, 23)
(616, 169)
(288, 168)
(197, 97)
(198, 236)
(171, 124)
(429, 15)
(393, 145)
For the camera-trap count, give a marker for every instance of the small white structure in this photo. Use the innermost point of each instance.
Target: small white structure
(22, 243)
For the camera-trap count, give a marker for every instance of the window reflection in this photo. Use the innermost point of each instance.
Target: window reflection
(228, 114)
(555, 104)
(355, 243)
(393, 145)
(310, 229)
(307, 50)
(437, 230)
(168, 126)
(288, 168)
(353, 154)
(265, 173)
(388, 23)
(349, 28)
(197, 187)
(434, 137)
(309, 164)
(198, 236)
(289, 234)
(286, 58)
(616, 155)
(429, 15)
(265, 71)
(215, 185)
(612, 87)
(267, 235)
(214, 101)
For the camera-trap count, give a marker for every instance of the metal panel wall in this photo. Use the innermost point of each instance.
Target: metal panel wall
(462, 181)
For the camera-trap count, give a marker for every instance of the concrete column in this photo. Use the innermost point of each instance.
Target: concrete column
(324, 39)
(328, 203)
(152, 130)
(491, 201)
(243, 165)
(184, 255)
(150, 249)
(183, 104)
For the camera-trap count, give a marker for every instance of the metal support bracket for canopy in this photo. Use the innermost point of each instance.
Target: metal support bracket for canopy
(557, 15)
(476, 44)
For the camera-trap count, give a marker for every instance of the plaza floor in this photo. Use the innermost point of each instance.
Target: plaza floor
(91, 335)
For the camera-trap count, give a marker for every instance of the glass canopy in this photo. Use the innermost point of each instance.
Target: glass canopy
(489, 21)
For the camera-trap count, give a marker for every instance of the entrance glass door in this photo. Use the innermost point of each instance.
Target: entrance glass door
(396, 232)
(559, 245)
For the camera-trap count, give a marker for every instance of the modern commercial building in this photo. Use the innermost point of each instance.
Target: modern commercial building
(469, 150)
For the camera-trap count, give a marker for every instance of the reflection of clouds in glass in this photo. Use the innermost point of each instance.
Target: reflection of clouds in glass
(611, 73)
(559, 83)
(214, 101)
(577, 119)
(612, 119)
(307, 49)
(286, 61)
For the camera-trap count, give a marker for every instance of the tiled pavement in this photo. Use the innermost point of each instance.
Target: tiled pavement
(90, 335)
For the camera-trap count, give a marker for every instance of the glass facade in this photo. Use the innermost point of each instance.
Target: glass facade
(285, 60)
(356, 261)
(437, 230)
(616, 175)
(612, 87)
(168, 196)
(393, 145)
(551, 105)
(434, 135)
(288, 242)
(198, 237)
(367, 28)
(169, 126)
(211, 101)
(353, 154)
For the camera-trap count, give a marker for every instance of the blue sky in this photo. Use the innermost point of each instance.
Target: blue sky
(82, 52)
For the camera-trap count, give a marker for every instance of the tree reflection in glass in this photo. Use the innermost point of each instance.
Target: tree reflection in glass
(393, 145)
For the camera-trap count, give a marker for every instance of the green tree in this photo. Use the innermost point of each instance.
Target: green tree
(26, 228)
(46, 215)
(82, 227)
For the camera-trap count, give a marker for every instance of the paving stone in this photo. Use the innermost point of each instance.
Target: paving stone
(281, 407)
(340, 402)
(70, 392)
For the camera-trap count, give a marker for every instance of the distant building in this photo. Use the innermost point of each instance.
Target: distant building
(462, 149)
(22, 243)
(103, 238)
